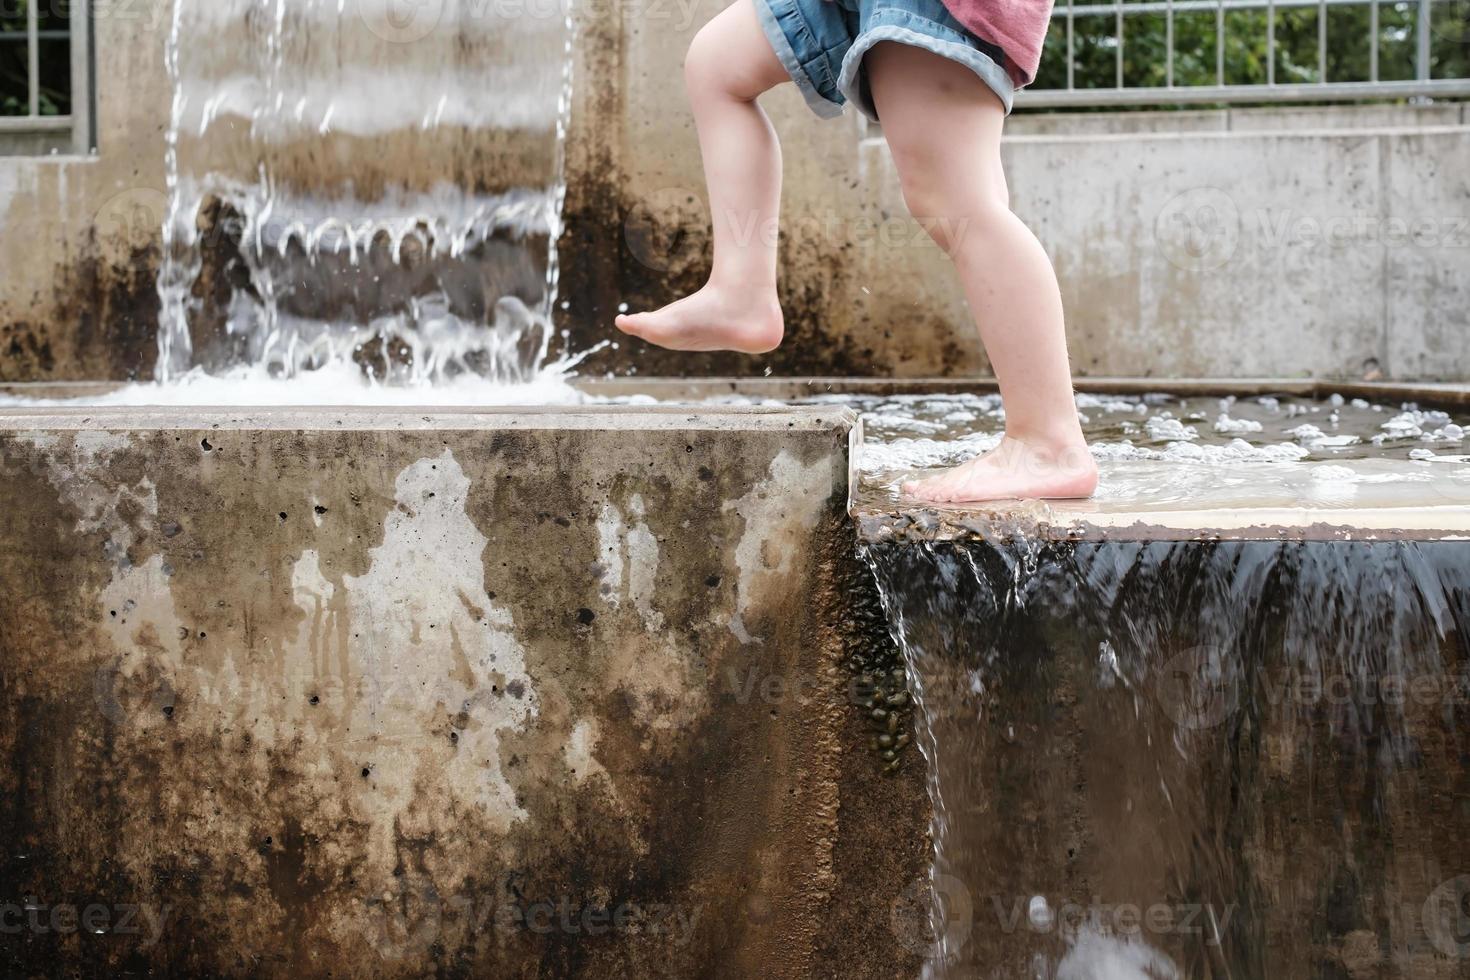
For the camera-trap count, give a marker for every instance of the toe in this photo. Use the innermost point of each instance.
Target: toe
(930, 490)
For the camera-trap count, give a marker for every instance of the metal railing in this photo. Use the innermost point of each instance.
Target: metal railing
(72, 130)
(1320, 89)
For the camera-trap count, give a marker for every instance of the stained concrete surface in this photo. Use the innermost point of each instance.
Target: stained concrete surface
(392, 692)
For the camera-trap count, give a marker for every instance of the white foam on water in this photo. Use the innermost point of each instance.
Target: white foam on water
(1226, 424)
(1097, 956)
(339, 383)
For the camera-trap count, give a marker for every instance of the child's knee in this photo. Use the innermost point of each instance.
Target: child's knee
(722, 64)
(705, 73)
(944, 204)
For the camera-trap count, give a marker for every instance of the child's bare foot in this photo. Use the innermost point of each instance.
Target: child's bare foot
(715, 318)
(1014, 470)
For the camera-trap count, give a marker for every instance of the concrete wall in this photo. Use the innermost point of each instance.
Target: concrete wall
(1297, 242)
(386, 694)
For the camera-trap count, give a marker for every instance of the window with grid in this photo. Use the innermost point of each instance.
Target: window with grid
(45, 90)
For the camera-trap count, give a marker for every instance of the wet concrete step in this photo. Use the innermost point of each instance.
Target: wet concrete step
(479, 693)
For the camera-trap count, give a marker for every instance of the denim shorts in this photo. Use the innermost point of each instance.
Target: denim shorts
(821, 43)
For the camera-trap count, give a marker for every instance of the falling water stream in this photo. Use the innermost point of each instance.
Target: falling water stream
(363, 183)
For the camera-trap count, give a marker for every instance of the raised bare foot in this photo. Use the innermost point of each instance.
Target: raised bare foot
(1014, 470)
(715, 318)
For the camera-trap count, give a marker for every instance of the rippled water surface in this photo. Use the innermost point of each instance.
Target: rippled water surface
(1167, 450)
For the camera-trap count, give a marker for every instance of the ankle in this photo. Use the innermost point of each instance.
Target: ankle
(1058, 435)
(741, 283)
(743, 294)
(1057, 447)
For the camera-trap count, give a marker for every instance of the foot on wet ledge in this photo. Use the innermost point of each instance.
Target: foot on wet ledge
(1017, 469)
(717, 318)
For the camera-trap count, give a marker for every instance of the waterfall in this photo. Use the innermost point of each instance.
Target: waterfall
(373, 183)
(1159, 759)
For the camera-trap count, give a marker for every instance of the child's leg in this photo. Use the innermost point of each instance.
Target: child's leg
(728, 65)
(943, 126)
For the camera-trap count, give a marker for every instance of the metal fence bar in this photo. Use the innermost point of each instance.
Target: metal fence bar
(1445, 88)
(1169, 43)
(1374, 30)
(1421, 57)
(33, 59)
(1120, 45)
(1271, 42)
(1322, 41)
(38, 124)
(1220, 43)
(1071, 51)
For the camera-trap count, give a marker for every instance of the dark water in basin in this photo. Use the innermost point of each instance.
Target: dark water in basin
(1242, 759)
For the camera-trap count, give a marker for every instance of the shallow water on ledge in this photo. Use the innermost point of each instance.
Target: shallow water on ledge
(1164, 451)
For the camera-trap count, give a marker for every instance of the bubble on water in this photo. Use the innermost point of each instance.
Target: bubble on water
(1160, 429)
(1227, 424)
(1450, 433)
(1313, 437)
(1405, 425)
